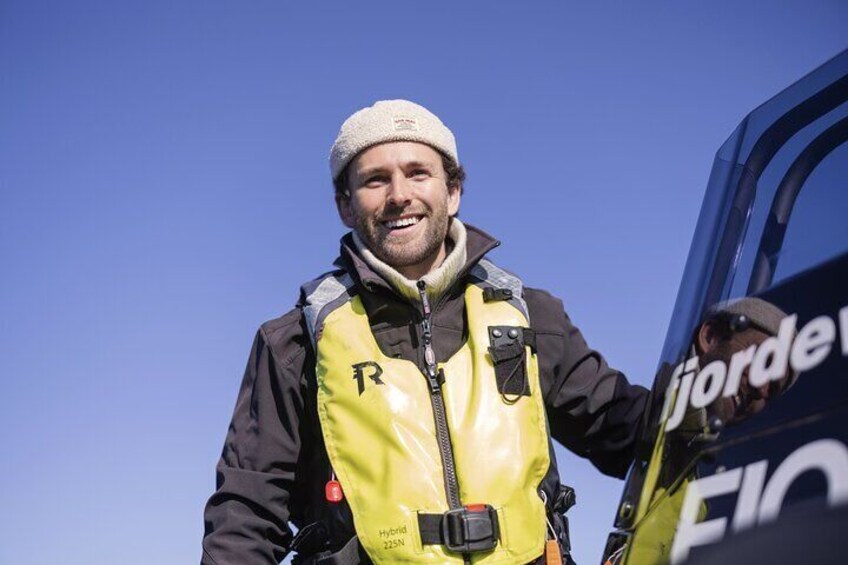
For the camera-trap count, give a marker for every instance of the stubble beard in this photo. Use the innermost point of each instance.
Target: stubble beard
(399, 254)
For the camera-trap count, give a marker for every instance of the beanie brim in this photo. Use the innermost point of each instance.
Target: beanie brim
(385, 122)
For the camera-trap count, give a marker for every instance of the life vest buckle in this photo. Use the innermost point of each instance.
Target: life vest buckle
(470, 529)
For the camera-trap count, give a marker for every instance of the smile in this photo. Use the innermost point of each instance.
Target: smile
(402, 222)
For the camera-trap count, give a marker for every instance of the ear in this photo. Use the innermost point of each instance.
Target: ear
(454, 196)
(346, 213)
(707, 337)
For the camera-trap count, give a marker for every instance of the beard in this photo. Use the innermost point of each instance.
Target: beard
(397, 251)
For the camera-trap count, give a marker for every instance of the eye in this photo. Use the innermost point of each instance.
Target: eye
(419, 174)
(375, 181)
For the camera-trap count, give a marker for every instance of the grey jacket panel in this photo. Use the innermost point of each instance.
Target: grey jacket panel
(274, 465)
(321, 297)
(494, 276)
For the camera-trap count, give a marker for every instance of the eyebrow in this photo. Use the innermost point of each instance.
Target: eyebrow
(370, 171)
(408, 165)
(418, 164)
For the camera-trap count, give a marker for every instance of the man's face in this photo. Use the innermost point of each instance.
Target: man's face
(749, 400)
(400, 205)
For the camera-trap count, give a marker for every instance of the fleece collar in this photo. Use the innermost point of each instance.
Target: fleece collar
(477, 244)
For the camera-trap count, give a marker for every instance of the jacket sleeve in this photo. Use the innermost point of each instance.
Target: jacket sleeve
(592, 409)
(246, 519)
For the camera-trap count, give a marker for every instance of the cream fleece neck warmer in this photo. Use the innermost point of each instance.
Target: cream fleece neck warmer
(437, 280)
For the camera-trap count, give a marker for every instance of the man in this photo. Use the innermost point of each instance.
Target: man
(728, 329)
(401, 411)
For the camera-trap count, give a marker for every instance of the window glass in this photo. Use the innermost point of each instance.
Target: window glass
(816, 231)
(819, 228)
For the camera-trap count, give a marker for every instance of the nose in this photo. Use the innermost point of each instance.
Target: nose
(399, 191)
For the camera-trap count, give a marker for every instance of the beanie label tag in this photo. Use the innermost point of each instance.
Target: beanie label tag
(405, 123)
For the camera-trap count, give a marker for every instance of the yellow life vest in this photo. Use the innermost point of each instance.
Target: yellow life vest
(379, 429)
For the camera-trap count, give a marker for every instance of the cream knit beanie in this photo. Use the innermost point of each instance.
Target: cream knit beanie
(389, 120)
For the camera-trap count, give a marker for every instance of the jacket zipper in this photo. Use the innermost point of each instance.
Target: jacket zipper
(438, 403)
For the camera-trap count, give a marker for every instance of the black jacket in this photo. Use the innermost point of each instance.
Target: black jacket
(274, 466)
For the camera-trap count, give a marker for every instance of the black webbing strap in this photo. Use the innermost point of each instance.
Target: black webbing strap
(430, 528)
(311, 539)
(348, 555)
(529, 338)
(491, 294)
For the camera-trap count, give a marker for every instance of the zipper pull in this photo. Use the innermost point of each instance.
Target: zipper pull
(425, 302)
(427, 337)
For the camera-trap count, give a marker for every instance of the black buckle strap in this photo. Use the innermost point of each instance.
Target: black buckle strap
(491, 294)
(470, 529)
(529, 338)
(311, 539)
(349, 554)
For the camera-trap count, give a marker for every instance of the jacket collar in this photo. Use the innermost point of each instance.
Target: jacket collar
(478, 243)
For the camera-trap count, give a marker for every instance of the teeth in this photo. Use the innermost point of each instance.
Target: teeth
(402, 223)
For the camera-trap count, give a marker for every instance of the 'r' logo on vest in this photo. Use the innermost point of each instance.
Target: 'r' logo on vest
(359, 374)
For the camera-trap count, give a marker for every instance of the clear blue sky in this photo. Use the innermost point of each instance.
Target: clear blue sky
(164, 189)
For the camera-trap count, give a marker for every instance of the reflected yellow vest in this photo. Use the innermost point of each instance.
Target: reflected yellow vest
(380, 435)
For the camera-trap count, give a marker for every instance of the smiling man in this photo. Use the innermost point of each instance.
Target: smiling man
(403, 411)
